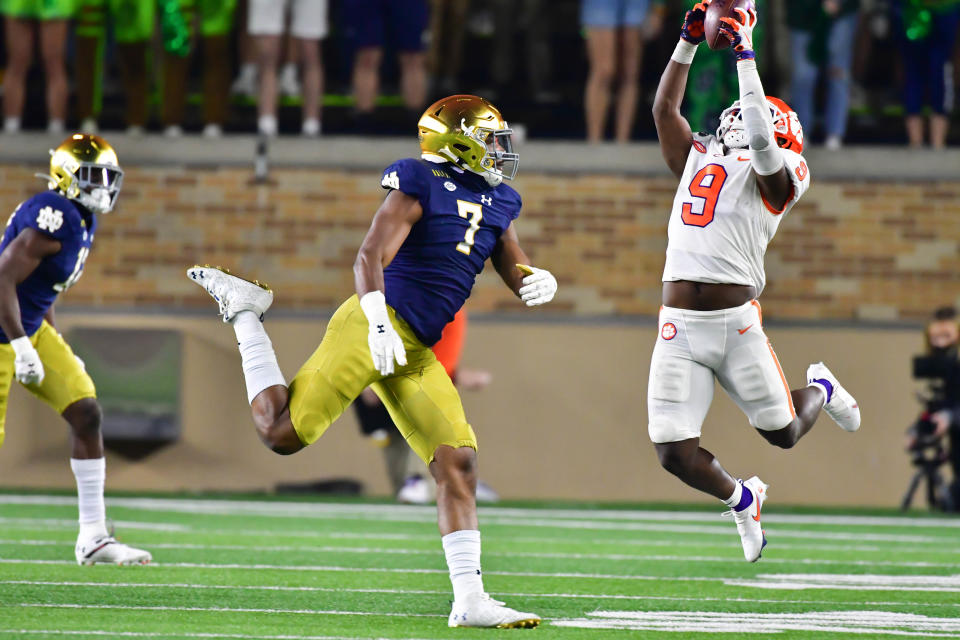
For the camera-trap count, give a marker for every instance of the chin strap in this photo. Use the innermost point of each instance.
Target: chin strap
(767, 157)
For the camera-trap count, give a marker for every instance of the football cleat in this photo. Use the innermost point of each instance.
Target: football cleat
(232, 293)
(416, 490)
(480, 610)
(748, 521)
(840, 405)
(107, 550)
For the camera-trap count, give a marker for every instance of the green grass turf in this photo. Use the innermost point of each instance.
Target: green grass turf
(260, 567)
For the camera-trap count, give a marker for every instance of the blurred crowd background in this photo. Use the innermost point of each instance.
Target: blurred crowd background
(856, 71)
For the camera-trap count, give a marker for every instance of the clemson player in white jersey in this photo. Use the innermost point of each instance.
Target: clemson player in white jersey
(735, 188)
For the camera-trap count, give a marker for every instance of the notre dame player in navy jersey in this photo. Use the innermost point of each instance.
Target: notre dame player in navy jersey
(444, 215)
(44, 248)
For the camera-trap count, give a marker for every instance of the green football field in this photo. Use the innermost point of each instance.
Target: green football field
(298, 569)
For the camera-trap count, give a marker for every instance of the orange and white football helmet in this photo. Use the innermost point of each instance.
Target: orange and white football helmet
(786, 126)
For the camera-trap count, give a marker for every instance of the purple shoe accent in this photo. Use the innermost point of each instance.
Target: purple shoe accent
(746, 499)
(826, 385)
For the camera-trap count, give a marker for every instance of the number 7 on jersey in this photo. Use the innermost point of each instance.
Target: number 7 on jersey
(473, 212)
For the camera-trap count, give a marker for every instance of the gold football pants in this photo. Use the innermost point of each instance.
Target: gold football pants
(420, 396)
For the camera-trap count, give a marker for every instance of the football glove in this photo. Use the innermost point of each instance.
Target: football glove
(740, 32)
(27, 366)
(539, 286)
(692, 30)
(385, 343)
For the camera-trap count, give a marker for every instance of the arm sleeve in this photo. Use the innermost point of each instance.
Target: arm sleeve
(407, 176)
(766, 157)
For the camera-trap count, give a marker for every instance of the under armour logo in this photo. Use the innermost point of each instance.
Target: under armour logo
(486, 200)
(380, 329)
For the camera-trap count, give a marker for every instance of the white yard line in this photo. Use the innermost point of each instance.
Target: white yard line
(316, 612)
(747, 623)
(579, 596)
(71, 525)
(182, 634)
(427, 513)
(612, 557)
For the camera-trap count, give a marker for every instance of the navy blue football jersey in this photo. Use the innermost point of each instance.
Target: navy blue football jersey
(463, 216)
(60, 218)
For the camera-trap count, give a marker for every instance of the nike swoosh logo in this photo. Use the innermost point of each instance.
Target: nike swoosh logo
(743, 331)
(756, 518)
(743, 159)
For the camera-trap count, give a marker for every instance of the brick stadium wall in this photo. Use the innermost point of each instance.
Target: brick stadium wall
(848, 251)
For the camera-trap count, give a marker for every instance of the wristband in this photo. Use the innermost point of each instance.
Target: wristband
(21, 345)
(374, 306)
(684, 52)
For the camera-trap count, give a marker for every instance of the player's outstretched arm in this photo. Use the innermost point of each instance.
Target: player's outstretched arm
(673, 130)
(17, 262)
(773, 178)
(532, 285)
(391, 226)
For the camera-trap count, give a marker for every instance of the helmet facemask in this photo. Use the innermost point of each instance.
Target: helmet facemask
(98, 186)
(500, 161)
(786, 126)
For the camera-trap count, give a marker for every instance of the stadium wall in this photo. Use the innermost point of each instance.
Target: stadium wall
(865, 256)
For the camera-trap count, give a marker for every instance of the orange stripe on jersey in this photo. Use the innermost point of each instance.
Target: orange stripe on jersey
(783, 379)
(773, 209)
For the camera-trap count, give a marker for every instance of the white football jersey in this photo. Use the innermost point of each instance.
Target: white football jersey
(720, 224)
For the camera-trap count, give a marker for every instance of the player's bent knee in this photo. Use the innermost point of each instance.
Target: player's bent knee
(84, 416)
(784, 437)
(673, 457)
(280, 436)
(454, 465)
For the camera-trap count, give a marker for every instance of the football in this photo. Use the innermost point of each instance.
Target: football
(711, 23)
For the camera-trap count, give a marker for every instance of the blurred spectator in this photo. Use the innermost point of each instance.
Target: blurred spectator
(532, 17)
(927, 30)
(178, 27)
(613, 32)
(822, 34)
(368, 22)
(447, 22)
(308, 26)
(245, 84)
(23, 20)
(133, 22)
(940, 368)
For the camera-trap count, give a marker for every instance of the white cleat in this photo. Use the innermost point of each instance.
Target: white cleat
(748, 520)
(480, 610)
(107, 550)
(417, 490)
(233, 294)
(840, 405)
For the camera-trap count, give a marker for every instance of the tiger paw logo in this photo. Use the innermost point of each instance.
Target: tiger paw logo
(49, 219)
(668, 331)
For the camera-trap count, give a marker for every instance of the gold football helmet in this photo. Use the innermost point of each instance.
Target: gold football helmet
(470, 132)
(85, 168)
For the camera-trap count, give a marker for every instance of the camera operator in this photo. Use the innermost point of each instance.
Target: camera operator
(941, 366)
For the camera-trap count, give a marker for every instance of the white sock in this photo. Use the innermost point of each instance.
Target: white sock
(11, 124)
(260, 368)
(311, 127)
(462, 549)
(267, 125)
(734, 500)
(817, 385)
(90, 475)
(248, 70)
(289, 70)
(56, 126)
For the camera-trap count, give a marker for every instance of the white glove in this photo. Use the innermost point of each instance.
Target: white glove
(538, 287)
(27, 366)
(385, 343)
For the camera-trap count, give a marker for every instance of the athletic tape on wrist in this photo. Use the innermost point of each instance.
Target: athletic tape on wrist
(684, 52)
